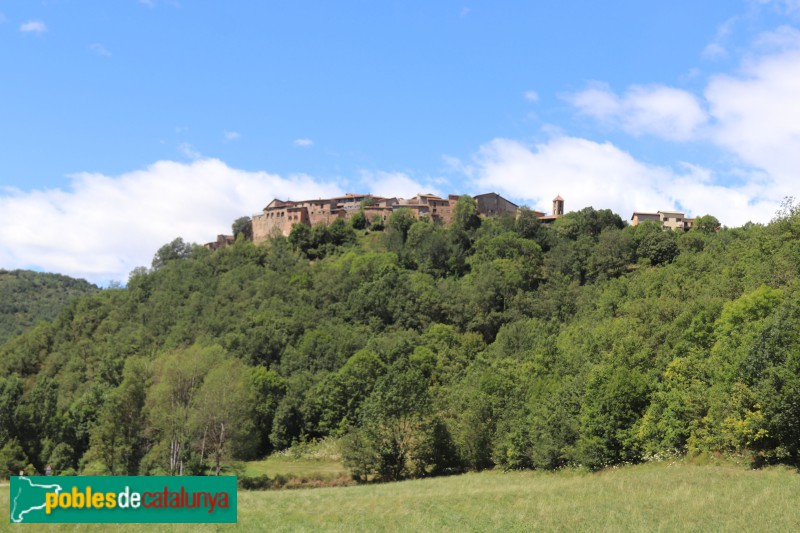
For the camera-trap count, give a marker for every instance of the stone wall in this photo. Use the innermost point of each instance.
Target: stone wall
(271, 223)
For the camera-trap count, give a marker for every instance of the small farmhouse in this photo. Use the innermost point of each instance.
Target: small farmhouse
(669, 220)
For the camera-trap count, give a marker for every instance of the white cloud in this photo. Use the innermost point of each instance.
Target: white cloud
(303, 143)
(100, 50)
(531, 96)
(597, 101)
(756, 111)
(2, 18)
(454, 164)
(465, 11)
(657, 110)
(663, 111)
(783, 6)
(714, 50)
(399, 184)
(752, 114)
(780, 40)
(717, 48)
(188, 150)
(231, 135)
(101, 227)
(601, 175)
(33, 26)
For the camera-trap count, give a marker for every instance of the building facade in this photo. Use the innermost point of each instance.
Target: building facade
(429, 205)
(669, 220)
(637, 218)
(492, 204)
(221, 242)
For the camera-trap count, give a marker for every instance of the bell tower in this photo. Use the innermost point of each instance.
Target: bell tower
(558, 206)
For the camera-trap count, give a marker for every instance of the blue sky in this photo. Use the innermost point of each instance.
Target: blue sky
(125, 124)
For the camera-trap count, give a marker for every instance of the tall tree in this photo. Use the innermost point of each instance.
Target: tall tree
(117, 439)
(243, 226)
(177, 249)
(465, 214)
(171, 402)
(706, 224)
(222, 417)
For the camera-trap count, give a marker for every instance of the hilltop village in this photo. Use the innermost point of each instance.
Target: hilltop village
(279, 216)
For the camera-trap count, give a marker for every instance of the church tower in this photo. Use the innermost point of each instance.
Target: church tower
(558, 206)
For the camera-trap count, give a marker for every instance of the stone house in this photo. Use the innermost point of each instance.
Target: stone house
(669, 220)
(430, 206)
(491, 204)
(221, 242)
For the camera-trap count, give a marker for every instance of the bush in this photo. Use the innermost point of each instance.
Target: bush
(12, 459)
(255, 483)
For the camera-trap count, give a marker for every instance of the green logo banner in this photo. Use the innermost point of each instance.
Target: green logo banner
(122, 499)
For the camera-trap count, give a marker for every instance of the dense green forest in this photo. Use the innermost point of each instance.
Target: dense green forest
(424, 349)
(26, 297)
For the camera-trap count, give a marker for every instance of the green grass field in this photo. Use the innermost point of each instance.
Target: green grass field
(289, 466)
(652, 497)
(318, 460)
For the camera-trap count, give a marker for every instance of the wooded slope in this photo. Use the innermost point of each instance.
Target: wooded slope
(427, 349)
(26, 297)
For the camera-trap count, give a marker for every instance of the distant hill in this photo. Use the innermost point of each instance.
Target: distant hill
(26, 297)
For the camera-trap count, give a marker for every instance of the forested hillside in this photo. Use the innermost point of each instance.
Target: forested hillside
(26, 297)
(426, 349)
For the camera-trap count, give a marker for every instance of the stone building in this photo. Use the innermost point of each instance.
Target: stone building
(558, 206)
(492, 204)
(279, 216)
(431, 206)
(381, 209)
(558, 210)
(669, 220)
(638, 218)
(221, 242)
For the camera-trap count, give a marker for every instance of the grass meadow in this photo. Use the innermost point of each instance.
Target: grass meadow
(651, 497)
(288, 466)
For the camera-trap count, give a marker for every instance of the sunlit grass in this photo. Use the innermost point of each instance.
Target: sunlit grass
(320, 460)
(652, 497)
(289, 466)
